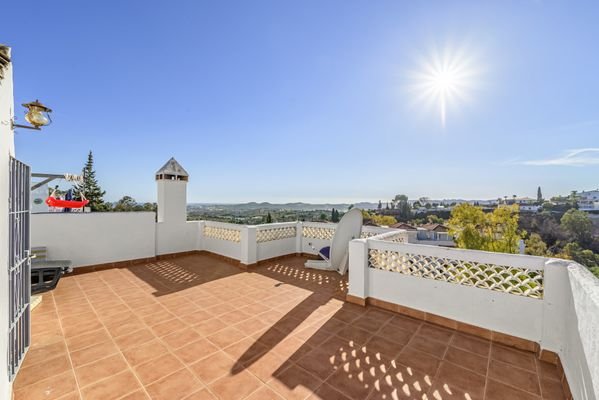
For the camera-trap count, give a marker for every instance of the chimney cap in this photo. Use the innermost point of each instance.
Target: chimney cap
(172, 170)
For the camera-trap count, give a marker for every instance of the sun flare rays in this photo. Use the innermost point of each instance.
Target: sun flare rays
(443, 80)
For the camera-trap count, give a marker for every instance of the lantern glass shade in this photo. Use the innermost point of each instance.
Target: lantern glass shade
(37, 114)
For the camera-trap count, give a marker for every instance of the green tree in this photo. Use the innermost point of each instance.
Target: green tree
(578, 224)
(150, 207)
(383, 220)
(380, 220)
(573, 198)
(535, 245)
(475, 229)
(467, 226)
(434, 219)
(573, 251)
(380, 206)
(400, 202)
(126, 203)
(334, 215)
(268, 218)
(539, 196)
(90, 187)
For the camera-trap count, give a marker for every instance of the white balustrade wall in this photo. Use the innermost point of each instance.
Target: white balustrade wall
(579, 345)
(223, 238)
(95, 238)
(174, 237)
(275, 240)
(316, 235)
(552, 302)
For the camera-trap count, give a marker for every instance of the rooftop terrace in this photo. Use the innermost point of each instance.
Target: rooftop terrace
(199, 327)
(164, 308)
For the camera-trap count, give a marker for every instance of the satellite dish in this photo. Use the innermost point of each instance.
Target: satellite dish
(349, 228)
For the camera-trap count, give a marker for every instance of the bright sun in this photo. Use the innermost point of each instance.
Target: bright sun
(444, 80)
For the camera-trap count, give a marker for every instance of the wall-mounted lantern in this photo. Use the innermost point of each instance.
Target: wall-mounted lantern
(37, 115)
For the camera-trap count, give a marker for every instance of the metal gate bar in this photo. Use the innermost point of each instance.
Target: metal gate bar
(19, 264)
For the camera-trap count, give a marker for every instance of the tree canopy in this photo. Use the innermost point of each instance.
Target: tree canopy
(128, 203)
(335, 215)
(400, 202)
(90, 187)
(381, 220)
(578, 224)
(477, 230)
(535, 245)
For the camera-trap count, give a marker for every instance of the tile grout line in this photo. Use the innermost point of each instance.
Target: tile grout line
(520, 369)
(537, 361)
(171, 352)
(112, 338)
(221, 350)
(487, 377)
(169, 348)
(67, 347)
(144, 288)
(433, 379)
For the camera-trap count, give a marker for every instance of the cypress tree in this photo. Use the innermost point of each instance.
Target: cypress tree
(334, 215)
(90, 187)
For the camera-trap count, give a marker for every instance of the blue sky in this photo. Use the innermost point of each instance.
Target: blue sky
(312, 100)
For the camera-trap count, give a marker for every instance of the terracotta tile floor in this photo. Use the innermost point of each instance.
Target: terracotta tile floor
(196, 327)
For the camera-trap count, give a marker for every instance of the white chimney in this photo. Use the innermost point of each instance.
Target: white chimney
(171, 182)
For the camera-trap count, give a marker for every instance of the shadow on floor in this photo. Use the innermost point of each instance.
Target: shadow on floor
(347, 352)
(173, 275)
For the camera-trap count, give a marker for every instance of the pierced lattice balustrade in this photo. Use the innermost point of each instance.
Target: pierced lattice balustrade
(513, 280)
(277, 233)
(317, 232)
(395, 237)
(366, 235)
(215, 232)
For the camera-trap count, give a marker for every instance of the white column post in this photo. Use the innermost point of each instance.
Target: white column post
(298, 238)
(248, 245)
(200, 240)
(556, 298)
(358, 268)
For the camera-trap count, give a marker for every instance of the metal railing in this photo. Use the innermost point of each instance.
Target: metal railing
(19, 265)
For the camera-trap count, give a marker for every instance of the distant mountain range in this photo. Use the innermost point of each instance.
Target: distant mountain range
(286, 206)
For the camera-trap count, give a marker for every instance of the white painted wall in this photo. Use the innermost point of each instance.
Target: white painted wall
(580, 344)
(481, 307)
(313, 245)
(95, 238)
(38, 200)
(172, 201)
(6, 150)
(177, 237)
(281, 247)
(219, 246)
(275, 248)
(565, 321)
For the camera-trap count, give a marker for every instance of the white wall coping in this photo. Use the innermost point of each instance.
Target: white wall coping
(486, 257)
(585, 298)
(226, 225)
(274, 225)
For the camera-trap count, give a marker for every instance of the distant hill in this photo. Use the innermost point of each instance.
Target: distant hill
(286, 206)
